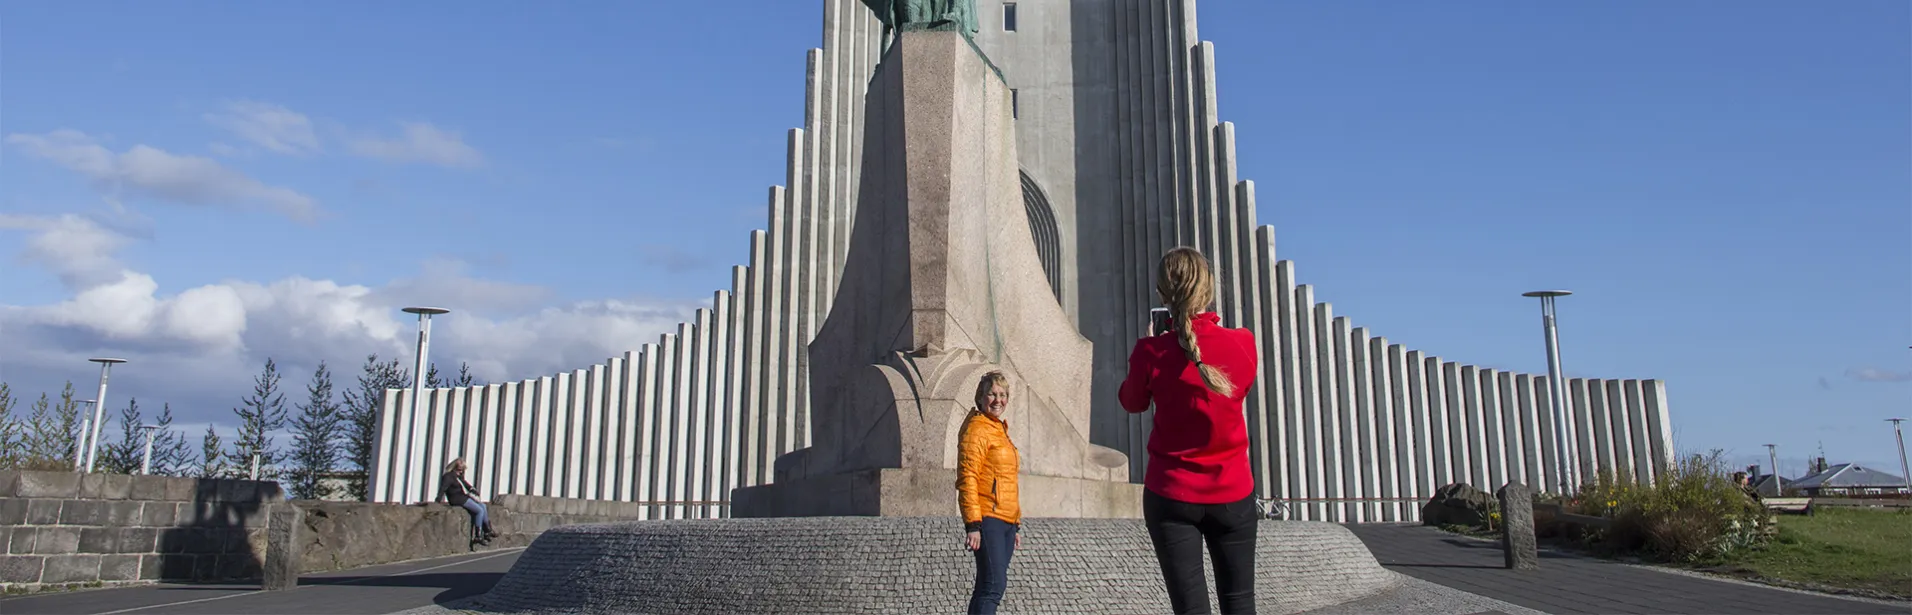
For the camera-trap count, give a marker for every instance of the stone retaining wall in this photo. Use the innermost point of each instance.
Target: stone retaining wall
(67, 529)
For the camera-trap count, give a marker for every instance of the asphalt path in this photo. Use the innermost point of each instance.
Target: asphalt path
(386, 588)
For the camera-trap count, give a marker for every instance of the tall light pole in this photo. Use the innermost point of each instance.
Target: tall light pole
(1901, 435)
(415, 451)
(146, 463)
(99, 408)
(1779, 484)
(1564, 457)
(79, 440)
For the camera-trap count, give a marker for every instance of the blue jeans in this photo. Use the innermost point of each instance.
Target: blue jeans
(479, 522)
(992, 565)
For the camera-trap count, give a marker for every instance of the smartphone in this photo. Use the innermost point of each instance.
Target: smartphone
(1159, 318)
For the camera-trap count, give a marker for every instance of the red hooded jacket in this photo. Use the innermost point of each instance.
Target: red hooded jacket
(1198, 452)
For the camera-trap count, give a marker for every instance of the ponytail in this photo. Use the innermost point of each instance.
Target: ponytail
(1187, 286)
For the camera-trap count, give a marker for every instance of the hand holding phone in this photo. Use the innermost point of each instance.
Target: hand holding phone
(1159, 321)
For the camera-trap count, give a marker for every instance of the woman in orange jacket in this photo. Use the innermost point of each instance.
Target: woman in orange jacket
(986, 466)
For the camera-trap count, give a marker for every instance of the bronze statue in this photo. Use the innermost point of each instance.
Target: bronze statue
(959, 15)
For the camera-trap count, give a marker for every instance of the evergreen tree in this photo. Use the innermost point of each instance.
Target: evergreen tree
(212, 456)
(432, 380)
(172, 456)
(12, 435)
(464, 378)
(259, 416)
(315, 439)
(45, 441)
(125, 456)
(69, 417)
(360, 414)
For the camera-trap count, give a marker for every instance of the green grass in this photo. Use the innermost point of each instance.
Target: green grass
(1849, 548)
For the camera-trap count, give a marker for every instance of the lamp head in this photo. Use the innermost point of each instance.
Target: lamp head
(1547, 293)
(425, 311)
(107, 360)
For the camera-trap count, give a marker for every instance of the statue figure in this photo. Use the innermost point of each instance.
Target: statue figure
(959, 15)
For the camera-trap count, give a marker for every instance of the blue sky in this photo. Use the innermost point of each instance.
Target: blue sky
(1726, 187)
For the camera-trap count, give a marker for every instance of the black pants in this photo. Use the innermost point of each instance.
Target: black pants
(992, 565)
(1178, 530)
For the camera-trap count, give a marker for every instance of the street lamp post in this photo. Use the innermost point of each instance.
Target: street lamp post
(1563, 449)
(1779, 484)
(99, 407)
(415, 450)
(79, 439)
(146, 463)
(1901, 436)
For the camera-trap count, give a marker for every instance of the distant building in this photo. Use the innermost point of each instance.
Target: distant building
(1850, 480)
(1765, 486)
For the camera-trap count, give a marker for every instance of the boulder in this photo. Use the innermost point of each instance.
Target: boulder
(1457, 504)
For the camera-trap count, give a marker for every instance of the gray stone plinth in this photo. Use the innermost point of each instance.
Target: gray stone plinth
(283, 547)
(929, 493)
(1517, 527)
(900, 565)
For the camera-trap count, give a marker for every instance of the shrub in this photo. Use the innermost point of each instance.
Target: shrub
(1693, 511)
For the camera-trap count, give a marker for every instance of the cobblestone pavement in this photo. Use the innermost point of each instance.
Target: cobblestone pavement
(1568, 583)
(374, 589)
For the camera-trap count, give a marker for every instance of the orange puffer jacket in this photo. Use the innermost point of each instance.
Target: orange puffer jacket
(986, 467)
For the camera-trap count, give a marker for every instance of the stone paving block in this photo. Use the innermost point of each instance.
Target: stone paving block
(124, 513)
(150, 566)
(13, 511)
(51, 485)
(138, 540)
(82, 512)
(71, 569)
(99, 540)
(21, 543)
(9, 483)
(119, 567)
(158, 514)
(43, 512)
(236, 491)
(101, 486)
(57, 541)
(21, 568)
(181, 489)
(148, 488)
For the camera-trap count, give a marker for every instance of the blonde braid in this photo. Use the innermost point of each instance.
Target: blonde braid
(1187, 285)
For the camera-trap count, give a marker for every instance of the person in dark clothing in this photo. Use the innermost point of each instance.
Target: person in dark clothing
(457, 492)
(1199, 487)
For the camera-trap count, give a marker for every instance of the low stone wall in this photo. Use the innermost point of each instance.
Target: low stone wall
(341, 535)
(65, 529)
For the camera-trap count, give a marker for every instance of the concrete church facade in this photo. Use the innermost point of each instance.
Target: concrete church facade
(1123, 156)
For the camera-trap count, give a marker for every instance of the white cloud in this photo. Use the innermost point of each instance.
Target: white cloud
(155, 173)
(267, 125)
(77, 249)
(199, 347)
(1873, 374)
(419, 142)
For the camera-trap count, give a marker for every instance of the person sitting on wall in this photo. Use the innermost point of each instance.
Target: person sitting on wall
(457, 492)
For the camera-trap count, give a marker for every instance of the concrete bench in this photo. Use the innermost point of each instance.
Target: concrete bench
(1789, 505)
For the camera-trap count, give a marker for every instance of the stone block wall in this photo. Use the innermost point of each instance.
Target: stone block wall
(68, 529)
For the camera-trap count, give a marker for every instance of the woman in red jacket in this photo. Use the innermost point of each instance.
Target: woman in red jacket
(1199, 487)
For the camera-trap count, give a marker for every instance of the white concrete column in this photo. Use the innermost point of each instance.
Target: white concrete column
(1645, 458)
(1596, 452)
(1314, 453)
(1489, 407)
(1622, 430)
(649, 411)
(750, 403)
(680, 435)
(736, 473)
(1596, 408)
(664, 442)
(378, 477)
(524, 455)
(696, 451)
(1329, 367)
(1532, 442)
(610, 463)
(1659, 426)
(717, 437)
(544, 410)
(1480, 455)
(1388, 431)
(511, 457)
(1271, 467)
(1512, 444)
(1410, 433)
(1460, 426)
(595, 434)
(1447, 469)
(630, 443)
(1290, 408)
(1367, 459)
(567, 433)
(487, 451)
(1428, 451)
